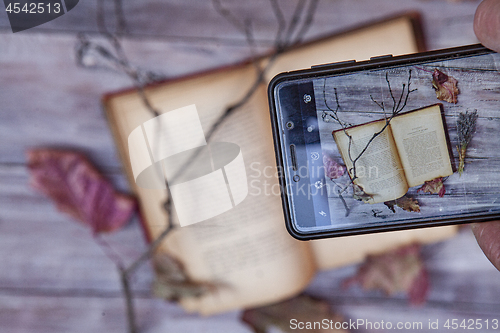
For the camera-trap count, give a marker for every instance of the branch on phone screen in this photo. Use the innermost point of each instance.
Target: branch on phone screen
(110, 55)
(398, 104)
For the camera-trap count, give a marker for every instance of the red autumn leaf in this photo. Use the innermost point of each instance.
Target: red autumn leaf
(333, 170)
(445, 86)
(79, 189)
(434, 186)
(399, 270)
(302, 308)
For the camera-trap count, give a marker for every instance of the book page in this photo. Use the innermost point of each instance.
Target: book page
(332, 253)
(245, 250)
(376, 169)
(422, 145)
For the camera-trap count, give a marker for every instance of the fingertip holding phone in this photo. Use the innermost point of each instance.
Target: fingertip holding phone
(389, 144)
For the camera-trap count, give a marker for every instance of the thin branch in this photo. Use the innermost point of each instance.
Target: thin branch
(279, 41)
(297, 14)
(129, 301)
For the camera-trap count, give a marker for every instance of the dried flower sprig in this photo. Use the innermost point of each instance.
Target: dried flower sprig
(466, 126)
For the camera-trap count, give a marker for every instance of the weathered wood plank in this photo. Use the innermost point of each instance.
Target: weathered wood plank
(48, 100)
(461, 278)
(100, 314)
(44, 249)
(447, 23)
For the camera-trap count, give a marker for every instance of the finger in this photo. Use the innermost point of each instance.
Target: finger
(488, 237)
(487, 24)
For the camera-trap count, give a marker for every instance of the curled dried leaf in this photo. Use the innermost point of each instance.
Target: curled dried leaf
(172, 283)
(78, 189)
(434, 186)
(399, 270)
(445, 86)
(405, 202)
(333, 170)
(302, 308)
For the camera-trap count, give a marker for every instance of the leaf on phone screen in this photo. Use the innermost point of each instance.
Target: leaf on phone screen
(302, 308)
(360, 194)
(406, 203)
(398, 270)
(434, 186)
(333, 170)
(78, 189)
(445, 86)
(172, 283)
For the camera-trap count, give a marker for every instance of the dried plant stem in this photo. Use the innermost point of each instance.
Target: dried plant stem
(466, 126)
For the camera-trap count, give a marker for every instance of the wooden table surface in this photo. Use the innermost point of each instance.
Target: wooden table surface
(54, 278)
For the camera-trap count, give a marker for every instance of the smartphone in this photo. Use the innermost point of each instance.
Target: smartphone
(389, 144)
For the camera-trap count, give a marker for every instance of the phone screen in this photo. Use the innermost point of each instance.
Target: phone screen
(395, 145)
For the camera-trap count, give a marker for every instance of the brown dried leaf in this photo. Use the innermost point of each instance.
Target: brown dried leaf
(360, 194)
(390, 205)
(333, 170)
(172, 283)
(434, 186)
(445, 86)
(302, 308)
(405, 203)
(399, 270)
(79, 189)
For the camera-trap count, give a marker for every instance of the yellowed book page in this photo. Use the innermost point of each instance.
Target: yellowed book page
(246, 250)
(422, 145)
(377, 169)
(394, 37)
(332, 253)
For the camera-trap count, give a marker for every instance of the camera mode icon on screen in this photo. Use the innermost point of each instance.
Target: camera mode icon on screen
(205, 180)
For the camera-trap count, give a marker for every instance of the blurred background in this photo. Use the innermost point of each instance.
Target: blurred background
(53, 276)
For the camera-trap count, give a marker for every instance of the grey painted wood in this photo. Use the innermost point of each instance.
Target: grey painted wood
(53, 277)
(446, 23)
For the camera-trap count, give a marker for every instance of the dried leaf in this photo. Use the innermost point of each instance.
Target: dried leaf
(333, 170)
(390, 205)
(302, 308)
(172, 282)
(360, 194)
(445, 86)
(79, 189)
(405, 203)
(399, 270)
(434, 186)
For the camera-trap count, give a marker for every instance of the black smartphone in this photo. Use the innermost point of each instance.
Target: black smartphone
(389, 144)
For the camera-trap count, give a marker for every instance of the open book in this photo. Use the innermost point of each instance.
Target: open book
(248, 249)
(410, 150)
